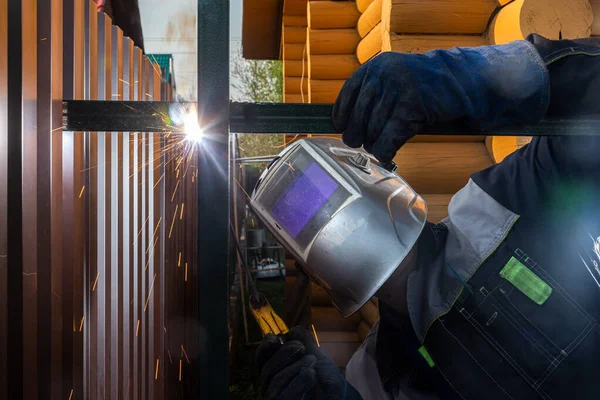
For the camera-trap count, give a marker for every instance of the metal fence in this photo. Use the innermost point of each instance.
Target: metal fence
(98, 271)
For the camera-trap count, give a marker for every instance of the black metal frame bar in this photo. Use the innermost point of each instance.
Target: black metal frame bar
(213, 199)
(141, 116)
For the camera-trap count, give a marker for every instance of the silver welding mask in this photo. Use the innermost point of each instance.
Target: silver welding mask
(348, 221)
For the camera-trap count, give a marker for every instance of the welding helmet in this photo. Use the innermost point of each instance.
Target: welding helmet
(348, 221)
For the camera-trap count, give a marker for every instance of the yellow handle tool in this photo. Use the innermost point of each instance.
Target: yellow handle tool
(266, 318)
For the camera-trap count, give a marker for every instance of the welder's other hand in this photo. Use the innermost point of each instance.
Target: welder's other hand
(299, 369)
(392, 97)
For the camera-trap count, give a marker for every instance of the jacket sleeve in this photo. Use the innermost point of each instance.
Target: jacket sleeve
(543, 171)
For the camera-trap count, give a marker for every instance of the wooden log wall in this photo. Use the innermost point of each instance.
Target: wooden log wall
(295, 58)
(97, 302)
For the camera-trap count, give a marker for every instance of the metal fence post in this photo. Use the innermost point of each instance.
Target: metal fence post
(213, 197)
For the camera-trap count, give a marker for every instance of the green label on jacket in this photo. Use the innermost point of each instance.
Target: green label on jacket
(526, 281)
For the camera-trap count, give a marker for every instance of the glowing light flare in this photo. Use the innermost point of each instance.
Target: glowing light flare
(193, 131)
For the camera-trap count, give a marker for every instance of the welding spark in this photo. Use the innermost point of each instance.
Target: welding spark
(180, 368)
(185, 354)
(173, 223)
(149, 293)
(170, 358)
(179, 262)
(137, 330)
(71, 395)
(82, 189)
(315, 333)
(96, 282)
(175, 190)
(186, 272)
(156, 373)
(81, 324)
(181, 214)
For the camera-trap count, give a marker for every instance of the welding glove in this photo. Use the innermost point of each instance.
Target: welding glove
(392, 97)
(299, 369)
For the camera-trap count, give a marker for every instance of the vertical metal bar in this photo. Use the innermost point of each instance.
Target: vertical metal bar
(4, 141)
(79, 244)
(149, 266)
(57, 295)
(137, 221)
(101, 287)
(68, 237)
(116, 198)
(30, 235)
(128, 229)
(213, 198)
(140, 238)
(144, 238)
(93, 252)
(157, 254)
(43, 189)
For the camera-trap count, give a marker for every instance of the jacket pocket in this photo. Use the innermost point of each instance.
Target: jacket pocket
(531, 320)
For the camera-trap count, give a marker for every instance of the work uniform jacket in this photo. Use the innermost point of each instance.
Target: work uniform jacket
(508, 304)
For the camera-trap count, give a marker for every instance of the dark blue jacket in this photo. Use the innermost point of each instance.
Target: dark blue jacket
(524, 320)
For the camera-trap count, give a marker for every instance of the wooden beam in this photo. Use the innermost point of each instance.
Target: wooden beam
(369, 19)
(293, 84)
(295, 20)
(294, 7)
(369, 313)
(552, 19)
(370, 45)
(441, 16)
(437, 206)
(333, 41)
(295, 68)
(294, 34)
(337, 66)
(294, 98)
(362, 5)
(440, 167)
(596, 22)
(293, 51)
(324, 91)
(332, 14)
(499, 147)
(423, 43)
(363, 330)
(340, 352)
(338, 337)
(330, 319)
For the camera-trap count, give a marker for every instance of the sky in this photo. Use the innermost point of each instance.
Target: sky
(169, 26)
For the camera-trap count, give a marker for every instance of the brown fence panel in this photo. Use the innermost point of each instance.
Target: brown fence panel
(98, 302)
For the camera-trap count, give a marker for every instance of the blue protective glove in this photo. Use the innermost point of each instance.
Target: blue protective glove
(389, 99)
(299, 369)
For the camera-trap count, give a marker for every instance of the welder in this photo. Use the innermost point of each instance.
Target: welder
(501, 300)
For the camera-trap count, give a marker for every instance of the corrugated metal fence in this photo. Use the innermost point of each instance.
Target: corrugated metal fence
(97, 263)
